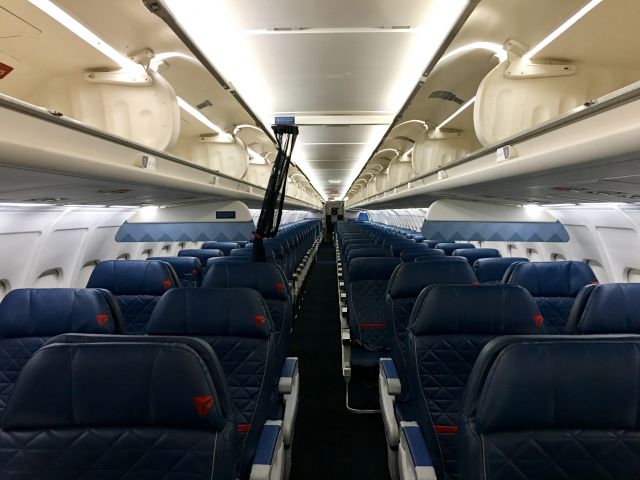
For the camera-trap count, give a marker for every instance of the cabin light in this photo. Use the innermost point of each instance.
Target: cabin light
(496, 48)
(335, 182)
(195, 113)
(84, 33)
(26, 204)
(526, 58)
(148, 212)
(424, 124)
(457, 112)
(159, 59)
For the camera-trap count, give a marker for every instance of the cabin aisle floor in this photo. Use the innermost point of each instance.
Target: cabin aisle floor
(329, 442)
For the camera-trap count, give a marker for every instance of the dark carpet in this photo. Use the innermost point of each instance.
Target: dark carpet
(329, 442)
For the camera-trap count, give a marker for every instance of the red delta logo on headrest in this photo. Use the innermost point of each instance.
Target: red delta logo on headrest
(539, 319)
(260, 320)
(203, 404)
(475, 283)
(280, 287)
(167, 284)
(595, 283)
(102, 319)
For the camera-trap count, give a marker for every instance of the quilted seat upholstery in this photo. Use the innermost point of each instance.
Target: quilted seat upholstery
(367, 284)
(188, 269)
(449, 326)
(573, 415)
(137, 286)
(266, 278)
(405, 285)
(493, 269)
(105, 423)
(236, 323)
(29, 317)
(554, 285)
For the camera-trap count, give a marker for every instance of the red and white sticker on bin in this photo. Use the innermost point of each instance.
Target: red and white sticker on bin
(5, 70)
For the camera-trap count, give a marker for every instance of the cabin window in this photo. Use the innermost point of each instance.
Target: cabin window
(533, 255)
(85, 273)
(49, 279)
(123, 256)
(633, 275)
(556, 257)
(4, 288)
(147, 253)
(600, 272)
(166, 251)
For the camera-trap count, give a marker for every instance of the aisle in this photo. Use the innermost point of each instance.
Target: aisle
(329, 443)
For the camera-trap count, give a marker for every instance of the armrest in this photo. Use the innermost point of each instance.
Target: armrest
(390, 374)
(289, 387)
(388, 388)
(414, 459)
(268, 462)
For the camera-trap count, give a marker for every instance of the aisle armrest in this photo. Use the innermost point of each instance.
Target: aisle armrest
(268, 462)
(414, 459)
(289, 388)
(388, 387)
(390, 374)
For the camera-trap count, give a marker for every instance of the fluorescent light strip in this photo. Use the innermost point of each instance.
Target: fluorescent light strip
(195, 113)
(526, 58)
(332, 30)
(84, 33)
(456, 113)
(496, 48)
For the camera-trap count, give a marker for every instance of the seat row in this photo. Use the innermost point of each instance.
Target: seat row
(205, 394)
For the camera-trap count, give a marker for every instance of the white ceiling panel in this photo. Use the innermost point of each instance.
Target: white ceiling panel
(326, 61)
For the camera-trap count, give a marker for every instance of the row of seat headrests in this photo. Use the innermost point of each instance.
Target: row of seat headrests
(47, 312)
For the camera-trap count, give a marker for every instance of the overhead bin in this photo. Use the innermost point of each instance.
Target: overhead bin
(463, 220)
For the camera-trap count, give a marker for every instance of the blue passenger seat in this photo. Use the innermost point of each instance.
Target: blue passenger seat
(269, 280)
(555, 407)
(31, 316)
(117, 410)
(473, 254)
(188, 269)
(449, 326)
(237, 324)
(554, 285)
(449, 248)
(224, 247)
(608, 308)
(201, 254)
(493, 269)
(137, 286)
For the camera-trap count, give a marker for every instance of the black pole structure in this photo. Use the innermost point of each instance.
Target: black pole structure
(273, 202)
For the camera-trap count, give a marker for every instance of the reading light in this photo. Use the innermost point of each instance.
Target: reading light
(84, 33)
(195, 113)
(526, 58)
(456, 113)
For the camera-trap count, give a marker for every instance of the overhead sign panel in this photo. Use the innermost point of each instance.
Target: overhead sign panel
(449, 220)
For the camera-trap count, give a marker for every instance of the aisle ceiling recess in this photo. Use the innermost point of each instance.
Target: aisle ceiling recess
(343, 69)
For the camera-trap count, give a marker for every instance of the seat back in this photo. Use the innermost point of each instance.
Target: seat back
(366, 287)
(410, 255)
(607, 308)
(450, 247)
(188, 269)
(201, 254)
(449, 326)
(553, 407)
(406, 283)
(269, 280)
(91, 422)
(31, 316)
(554, 285)
(473, 254)
(137, 286)
(493, 269)
(224, 247)
(237, 324)
(367, 252)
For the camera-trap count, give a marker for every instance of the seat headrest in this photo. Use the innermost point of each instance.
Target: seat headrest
(201, 253)
(449, 247)
(493, 269)
(133, 277)
(368, 252)
(367, 268)
(607, 308)
(248, 252)
(473, 254)
(240, 312)
(555, 382)
(476, 309)
(265, 277)
(552, 279)
(399, 246)
(45, 312)
(225, 247)
(439, 258)
(181, 265)
(99, 385)
(223, 260)
(409, 279)
(409, 255)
